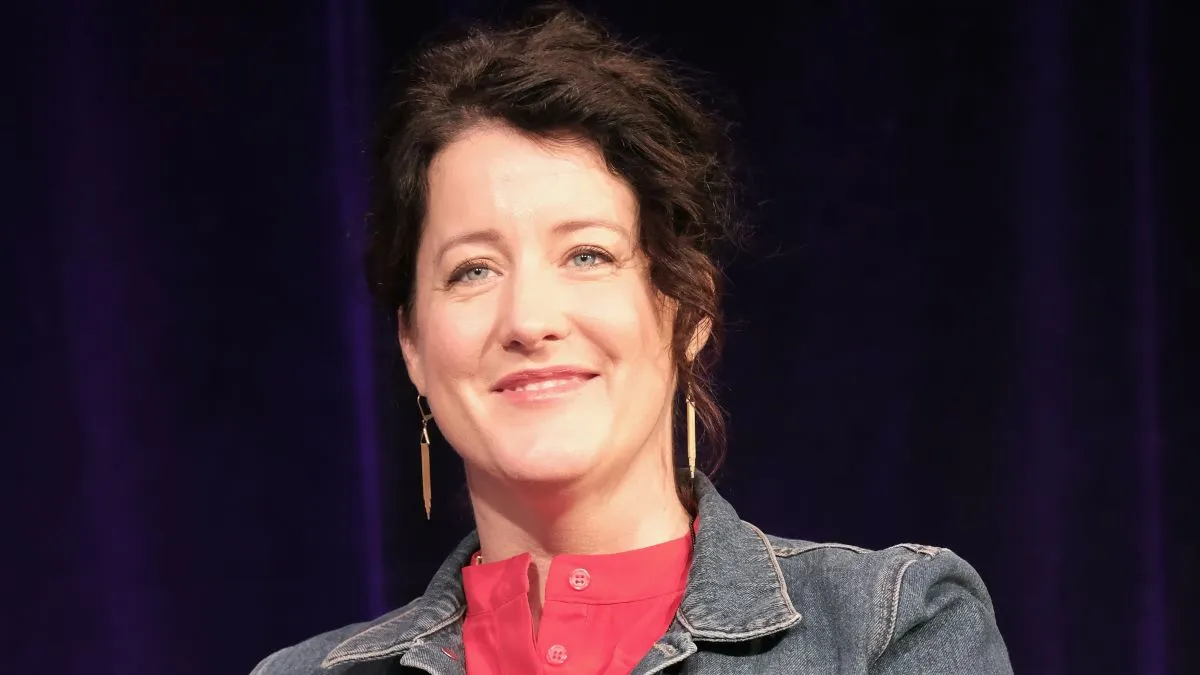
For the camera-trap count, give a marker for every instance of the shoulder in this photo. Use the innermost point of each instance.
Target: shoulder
(880, 599)
(884, 572)
(305, 657)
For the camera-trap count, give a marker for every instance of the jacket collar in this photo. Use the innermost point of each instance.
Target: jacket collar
(735, 591)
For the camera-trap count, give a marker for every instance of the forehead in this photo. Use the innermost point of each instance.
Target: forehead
(493, 175)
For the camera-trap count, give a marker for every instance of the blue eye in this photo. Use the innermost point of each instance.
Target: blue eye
(589, 258)
(472, 274)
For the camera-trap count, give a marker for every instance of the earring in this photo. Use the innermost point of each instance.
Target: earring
(691, 435)
(426, 488)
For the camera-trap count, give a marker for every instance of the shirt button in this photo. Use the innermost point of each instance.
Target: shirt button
(580, 579)
(556, 655)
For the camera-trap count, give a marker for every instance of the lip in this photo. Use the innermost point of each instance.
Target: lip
(523, 378)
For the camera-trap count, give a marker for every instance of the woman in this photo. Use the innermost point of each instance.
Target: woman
(548, 207)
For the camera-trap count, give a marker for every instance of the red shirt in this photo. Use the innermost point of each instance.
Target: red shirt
(602, 613)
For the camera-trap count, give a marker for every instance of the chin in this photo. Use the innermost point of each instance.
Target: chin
(547, 463)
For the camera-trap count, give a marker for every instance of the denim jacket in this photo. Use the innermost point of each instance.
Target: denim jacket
(754, 604)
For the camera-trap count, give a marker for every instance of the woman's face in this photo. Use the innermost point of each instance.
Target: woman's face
(536, 335)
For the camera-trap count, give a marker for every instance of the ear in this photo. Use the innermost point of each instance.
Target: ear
(412, 357)
(703, 331)
(700, 338)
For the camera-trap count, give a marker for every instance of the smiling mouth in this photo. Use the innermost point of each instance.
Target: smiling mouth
(548, 385)
(549, 389)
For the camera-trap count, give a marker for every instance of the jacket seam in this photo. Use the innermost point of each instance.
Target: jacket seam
(791, 551)
(390, 650)
(366, 631)
(680, 655)
(927, 551)
(893, 610)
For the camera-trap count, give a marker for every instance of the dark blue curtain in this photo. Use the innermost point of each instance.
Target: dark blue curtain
(967, 319)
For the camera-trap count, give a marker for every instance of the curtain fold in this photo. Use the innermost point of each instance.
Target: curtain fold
(967, 318)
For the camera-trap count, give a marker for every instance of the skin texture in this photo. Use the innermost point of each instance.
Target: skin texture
(529, 259)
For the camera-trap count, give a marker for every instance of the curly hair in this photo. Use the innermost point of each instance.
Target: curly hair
(559, 73)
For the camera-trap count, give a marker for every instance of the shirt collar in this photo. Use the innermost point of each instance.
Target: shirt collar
(735, 590)
(598, 579)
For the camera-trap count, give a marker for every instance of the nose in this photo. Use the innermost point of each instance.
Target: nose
(533, 312)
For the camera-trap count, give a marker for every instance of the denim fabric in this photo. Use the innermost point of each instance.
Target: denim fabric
(754, 604)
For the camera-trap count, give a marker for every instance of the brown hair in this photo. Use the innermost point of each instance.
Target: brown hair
(559, 73)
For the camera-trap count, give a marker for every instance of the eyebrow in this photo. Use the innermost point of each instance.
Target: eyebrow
(492, 236)
(488, 236)
(569, 226)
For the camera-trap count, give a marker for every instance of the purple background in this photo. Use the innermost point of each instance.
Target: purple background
(968, 318)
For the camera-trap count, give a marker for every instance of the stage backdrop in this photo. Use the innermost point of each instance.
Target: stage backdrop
(963, 321)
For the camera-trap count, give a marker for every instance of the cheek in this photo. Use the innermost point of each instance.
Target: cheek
(457, 337)
(625, 321)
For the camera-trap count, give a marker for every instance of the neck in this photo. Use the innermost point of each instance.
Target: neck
(636, 507)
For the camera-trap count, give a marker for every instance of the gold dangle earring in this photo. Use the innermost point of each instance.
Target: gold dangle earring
(426, 488)
(691, 434)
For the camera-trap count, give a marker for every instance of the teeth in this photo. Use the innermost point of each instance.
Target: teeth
(544, 384)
